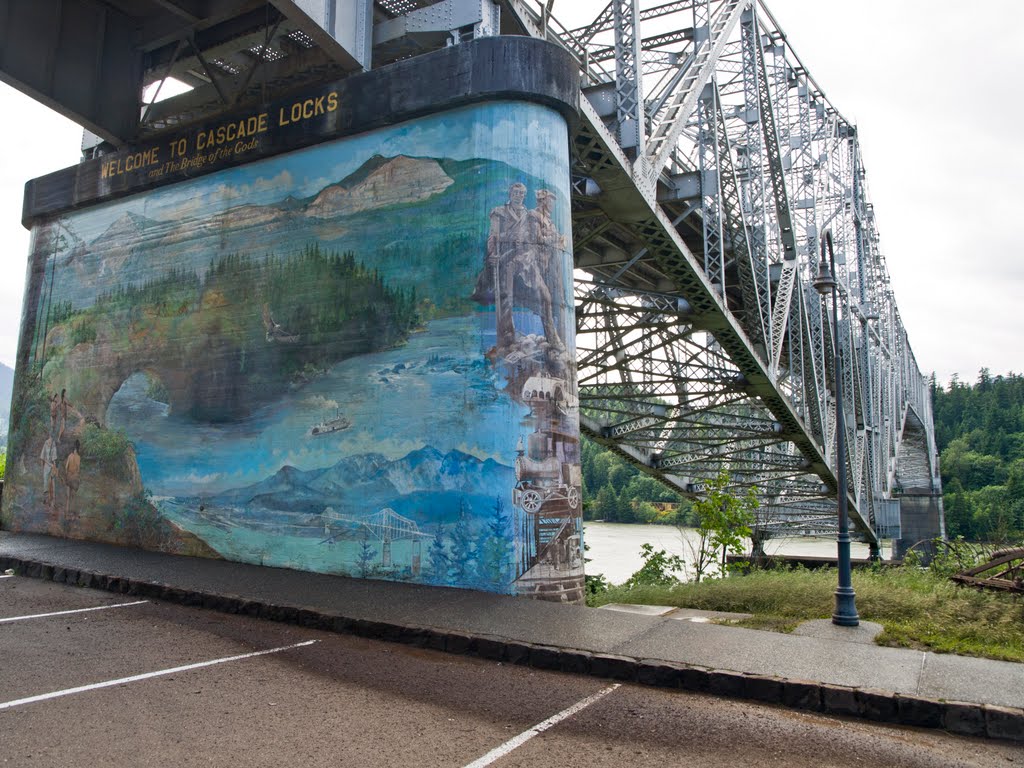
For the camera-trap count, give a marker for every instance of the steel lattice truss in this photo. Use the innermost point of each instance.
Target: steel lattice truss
(702, 343)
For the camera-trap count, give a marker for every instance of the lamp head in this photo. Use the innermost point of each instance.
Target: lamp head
(824, 281)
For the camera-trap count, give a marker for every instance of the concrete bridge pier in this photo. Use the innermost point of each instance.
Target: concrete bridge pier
(921, 522)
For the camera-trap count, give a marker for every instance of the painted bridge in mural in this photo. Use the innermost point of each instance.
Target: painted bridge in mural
(703, 167)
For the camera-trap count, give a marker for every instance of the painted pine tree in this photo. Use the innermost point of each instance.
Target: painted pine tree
(464, 552)
(439, 556)
(367, 554)
(496, 553)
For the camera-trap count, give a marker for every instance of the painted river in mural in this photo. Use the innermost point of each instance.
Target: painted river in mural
(380, 397)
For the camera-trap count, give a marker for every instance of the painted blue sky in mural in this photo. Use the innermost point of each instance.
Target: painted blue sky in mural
(521, 135)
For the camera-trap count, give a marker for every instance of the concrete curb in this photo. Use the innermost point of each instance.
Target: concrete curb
(958, 717)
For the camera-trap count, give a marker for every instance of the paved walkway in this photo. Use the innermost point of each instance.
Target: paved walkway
(820, 667)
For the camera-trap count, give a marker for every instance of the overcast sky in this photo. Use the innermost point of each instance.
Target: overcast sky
(936, 100)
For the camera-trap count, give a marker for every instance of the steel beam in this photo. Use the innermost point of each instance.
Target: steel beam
(341, 28)
(76, 58)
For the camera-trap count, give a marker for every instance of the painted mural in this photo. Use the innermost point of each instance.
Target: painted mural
(356, 358)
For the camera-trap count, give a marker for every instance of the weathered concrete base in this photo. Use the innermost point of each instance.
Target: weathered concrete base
(865, 632)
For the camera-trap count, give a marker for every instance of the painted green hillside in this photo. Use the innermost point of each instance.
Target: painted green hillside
(221, 345)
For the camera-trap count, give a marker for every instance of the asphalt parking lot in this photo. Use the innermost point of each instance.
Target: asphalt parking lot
(90, 678)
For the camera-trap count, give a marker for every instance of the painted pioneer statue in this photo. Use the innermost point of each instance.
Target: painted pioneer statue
(549, 244)
(521, 267)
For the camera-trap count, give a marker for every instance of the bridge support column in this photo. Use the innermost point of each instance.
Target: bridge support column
(326, 333)
(921, 523)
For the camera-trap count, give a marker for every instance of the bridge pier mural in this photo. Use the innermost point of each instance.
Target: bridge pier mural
(356, 357)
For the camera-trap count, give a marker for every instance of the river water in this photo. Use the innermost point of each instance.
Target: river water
(614, 548)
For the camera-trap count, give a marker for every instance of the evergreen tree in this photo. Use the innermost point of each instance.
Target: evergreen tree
(631, 487)
(464, 547)
(621, 474)
(625, 513)
(606, 505)
(496, 552)
(979, 431)
(439, 555)
(366, 555)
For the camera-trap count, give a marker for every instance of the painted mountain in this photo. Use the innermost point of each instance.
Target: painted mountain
(426, 486)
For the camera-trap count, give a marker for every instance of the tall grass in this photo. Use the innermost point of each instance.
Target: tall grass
(917, 608)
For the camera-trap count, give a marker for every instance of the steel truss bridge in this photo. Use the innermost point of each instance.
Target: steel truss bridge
(707, 165)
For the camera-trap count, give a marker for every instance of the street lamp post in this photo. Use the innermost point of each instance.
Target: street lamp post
(845, 614)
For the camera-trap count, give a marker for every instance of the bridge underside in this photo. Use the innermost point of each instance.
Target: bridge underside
(668, 376)
(707, 166)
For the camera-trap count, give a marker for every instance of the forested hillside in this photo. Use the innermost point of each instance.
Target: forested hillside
(979, 429)
(618, 492)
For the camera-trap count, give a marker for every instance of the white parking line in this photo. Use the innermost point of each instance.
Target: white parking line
(146, 676)
(525, 736)
(6, 575)
(76, 610)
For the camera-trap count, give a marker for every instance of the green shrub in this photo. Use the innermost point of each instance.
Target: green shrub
(595, 584)
(659, 569)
